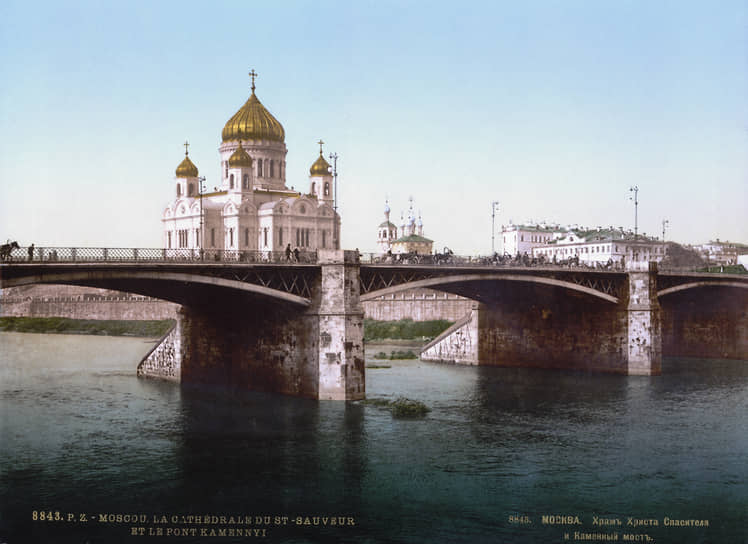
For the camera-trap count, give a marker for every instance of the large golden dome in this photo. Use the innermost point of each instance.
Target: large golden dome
(186, 168)
(253, 122)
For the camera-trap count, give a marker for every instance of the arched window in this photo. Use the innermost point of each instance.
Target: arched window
(245, 181)
(231, 181)
(179, 190)
(246, 237)
(259, 168)
(272, 169)
(191, 189)
(225, 169)
(314, 186)
(327, 188)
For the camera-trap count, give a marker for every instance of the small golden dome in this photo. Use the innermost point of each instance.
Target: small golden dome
(240, 158)
(320, 167)
(186, 168)
(253, 122)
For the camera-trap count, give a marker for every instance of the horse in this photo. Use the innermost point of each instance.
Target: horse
(445, 257)
(6, 249)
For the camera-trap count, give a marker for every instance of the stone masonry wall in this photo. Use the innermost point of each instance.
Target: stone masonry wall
(418, 305)
(644, 328)
(164, 360)
(458, 344)
(545, 327)
(263, 346)
(341, 330)
(706, 322)
(82, 303)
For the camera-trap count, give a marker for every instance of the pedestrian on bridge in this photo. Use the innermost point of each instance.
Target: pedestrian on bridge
(31, 252)
(288, 252)
(296, 254)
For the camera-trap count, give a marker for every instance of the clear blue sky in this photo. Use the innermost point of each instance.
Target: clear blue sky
(553, 108)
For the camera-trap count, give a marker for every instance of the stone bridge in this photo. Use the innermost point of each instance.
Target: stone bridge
(264, 321)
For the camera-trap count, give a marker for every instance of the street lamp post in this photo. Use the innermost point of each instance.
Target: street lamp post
(665, 223)
(494, 205)
(200, 181)
(334, 159)
(635, 190)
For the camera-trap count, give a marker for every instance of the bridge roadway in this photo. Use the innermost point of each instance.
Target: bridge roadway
(303, 316)
(164, 274)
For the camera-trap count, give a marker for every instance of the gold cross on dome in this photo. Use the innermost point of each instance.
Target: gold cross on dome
(320, 146)
(253, 75)
(186, 145)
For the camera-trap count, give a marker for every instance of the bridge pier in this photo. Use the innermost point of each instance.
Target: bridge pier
(316, 352)
(644, 324)
(536, 325)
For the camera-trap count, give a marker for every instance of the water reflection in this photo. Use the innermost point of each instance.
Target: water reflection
(82, 433)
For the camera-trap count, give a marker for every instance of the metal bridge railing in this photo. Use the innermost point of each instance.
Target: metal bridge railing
(14, 253)
(149, 255)
(508, 262)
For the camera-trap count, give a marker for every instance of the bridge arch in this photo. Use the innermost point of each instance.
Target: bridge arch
(697, 284)
(88, 278)
(461, 278)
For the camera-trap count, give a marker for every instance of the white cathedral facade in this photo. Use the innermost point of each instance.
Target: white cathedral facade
(253, 209)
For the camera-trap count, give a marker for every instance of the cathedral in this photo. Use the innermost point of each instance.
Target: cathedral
(253, 209)
(411, 239)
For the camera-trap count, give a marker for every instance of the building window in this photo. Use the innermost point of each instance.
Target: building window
(191, 189)
(225, 169)
(231, 237)
(265, 236)
(259, 168)
(197, 237)
(324, 238)
(246, 237)
(231, 181)
(168, 237)
(179, 190)
(280, 236)
(245, 181)
(327, 188)
(314, 188)
(212, 237)
(272, 169)
(298, 237)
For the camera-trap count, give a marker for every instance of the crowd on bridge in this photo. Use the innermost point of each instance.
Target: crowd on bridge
(447, 257)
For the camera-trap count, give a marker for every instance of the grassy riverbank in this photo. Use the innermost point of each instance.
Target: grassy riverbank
(404, 329)
(63, 325)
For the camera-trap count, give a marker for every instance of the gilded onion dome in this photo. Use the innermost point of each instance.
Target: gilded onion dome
(240, 158)
(253, 122)
(186, 168)
(320, 167)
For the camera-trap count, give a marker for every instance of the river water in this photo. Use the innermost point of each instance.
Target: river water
(505, 455)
